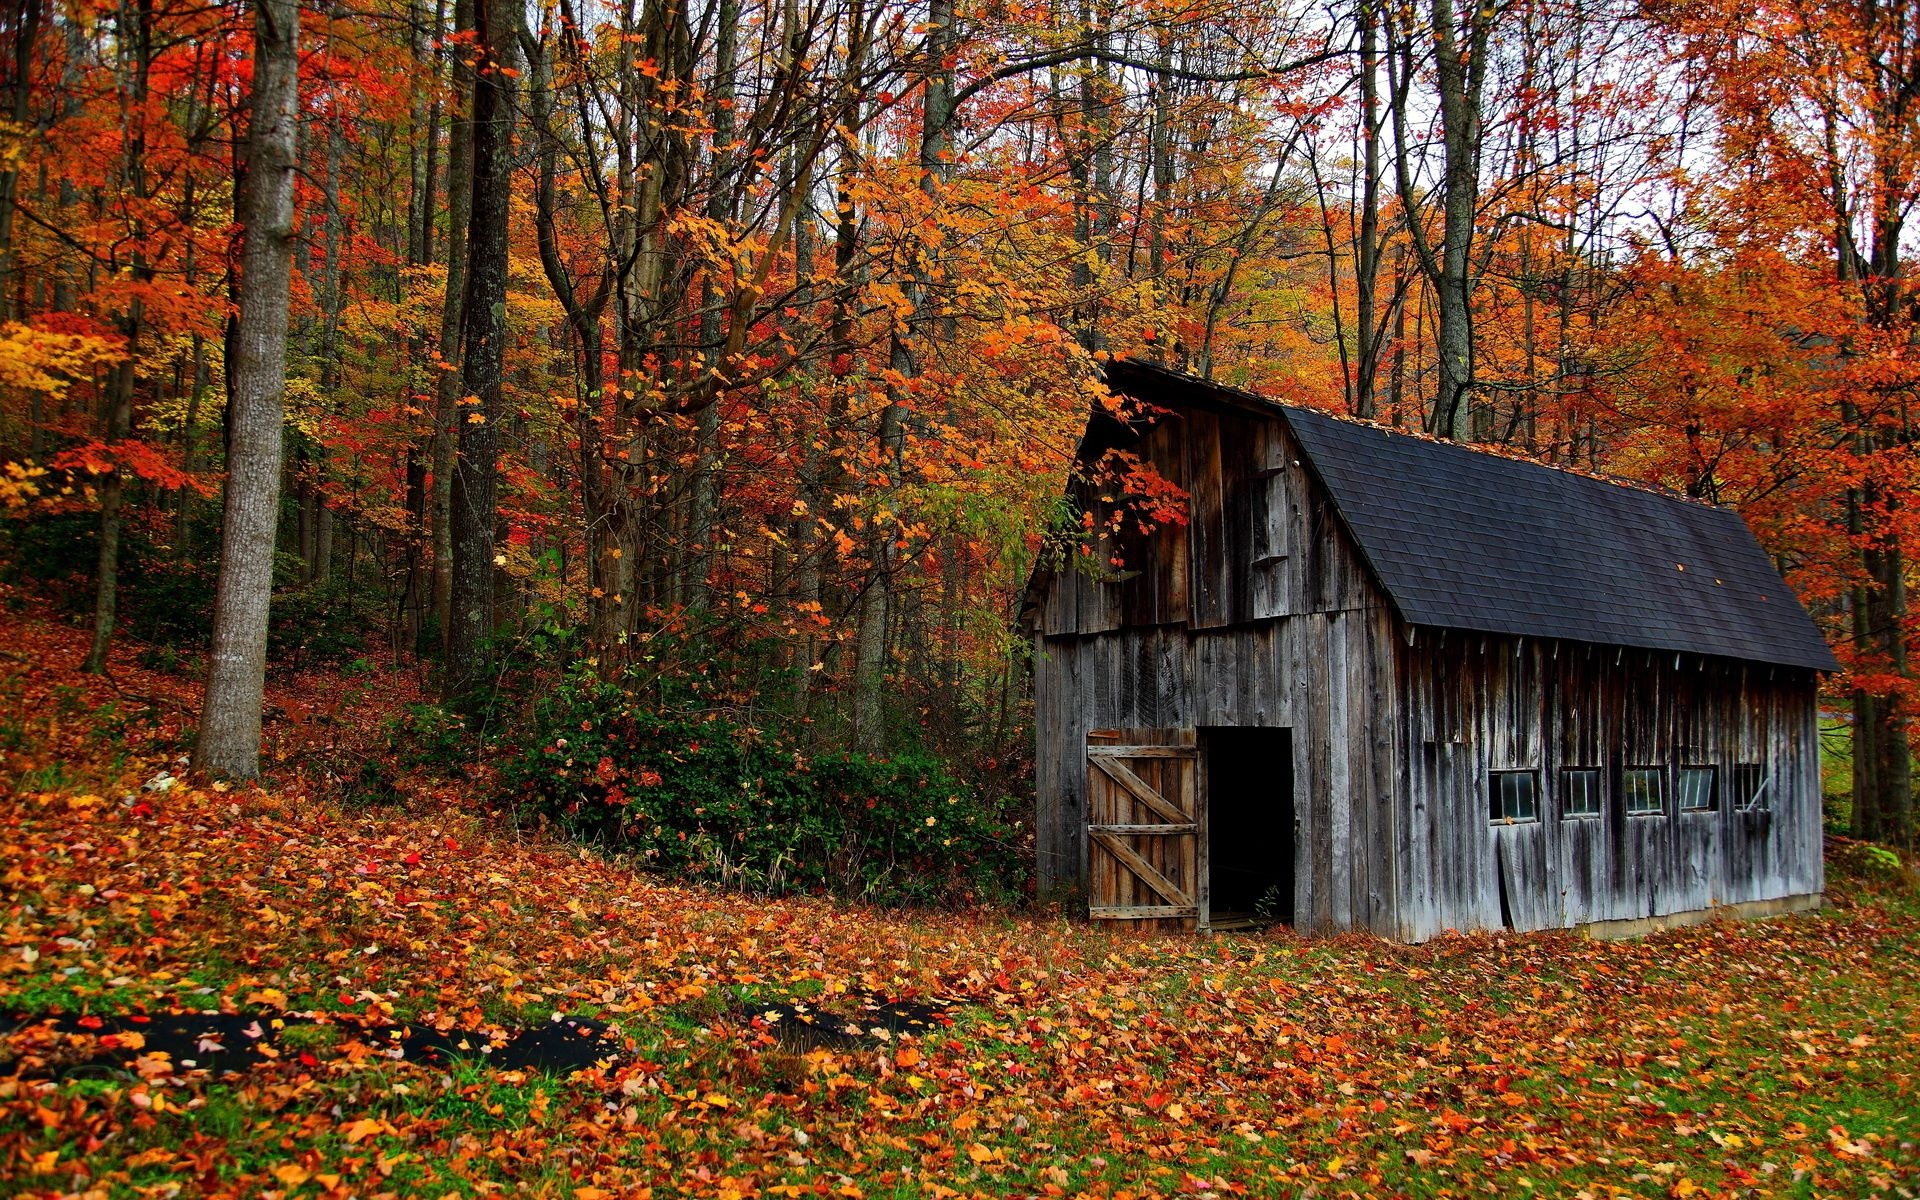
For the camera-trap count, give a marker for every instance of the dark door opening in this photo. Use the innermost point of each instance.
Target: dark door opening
(1249, 824)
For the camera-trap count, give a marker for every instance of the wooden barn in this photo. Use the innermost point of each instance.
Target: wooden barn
(1377, 682)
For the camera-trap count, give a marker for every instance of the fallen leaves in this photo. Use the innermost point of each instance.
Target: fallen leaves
(1763, 1057)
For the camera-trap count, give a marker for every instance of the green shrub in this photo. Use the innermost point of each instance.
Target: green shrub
(319, 623)
(428, 736)
(165, 598)
(705, 798)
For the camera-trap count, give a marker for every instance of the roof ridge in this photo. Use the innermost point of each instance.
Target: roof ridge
(1491, 449)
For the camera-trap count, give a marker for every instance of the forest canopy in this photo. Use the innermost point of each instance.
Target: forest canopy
(737, 349)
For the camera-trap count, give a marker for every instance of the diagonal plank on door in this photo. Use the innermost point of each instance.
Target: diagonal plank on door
(1141, 791)
(1166, 888)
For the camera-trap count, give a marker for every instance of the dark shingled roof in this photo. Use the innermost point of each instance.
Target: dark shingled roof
(1462, 539)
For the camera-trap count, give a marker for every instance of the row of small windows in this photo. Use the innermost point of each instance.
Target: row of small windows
(1515, 795)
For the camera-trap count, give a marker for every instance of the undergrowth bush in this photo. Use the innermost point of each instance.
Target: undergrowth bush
(319, 623)
(699, 796)
(165, 597)
(1866, 862)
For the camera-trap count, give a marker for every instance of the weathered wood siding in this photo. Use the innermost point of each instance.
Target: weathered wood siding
(1117, 656)
(1258, 611)
(1475, 705)
(1261, 539)
(1327, 676)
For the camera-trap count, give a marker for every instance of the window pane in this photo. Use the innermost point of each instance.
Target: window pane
(1514, 796)
(1645, 789)
(1749, 787)
(1696, 789)
(1580, 792)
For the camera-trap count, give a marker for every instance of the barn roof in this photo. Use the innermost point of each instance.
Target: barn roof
(1463, 539)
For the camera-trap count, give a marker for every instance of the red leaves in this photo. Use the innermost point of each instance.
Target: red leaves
(1077, 1062)
(154, 464)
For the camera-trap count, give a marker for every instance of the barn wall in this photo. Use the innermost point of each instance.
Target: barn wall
(1327, 676)
(1255, 612)
(1480, 704)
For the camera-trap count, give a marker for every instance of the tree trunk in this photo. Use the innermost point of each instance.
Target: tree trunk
(1459, 52)
(25, 33)
(705, 499)
(119, 421)
(452, 310)
(584, 316)
(229, 742)
(1461, 70)
(106, 597)
(475, 470)
(1366, 255)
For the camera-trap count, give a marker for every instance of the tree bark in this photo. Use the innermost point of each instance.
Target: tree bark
(705, 499)
(1460, 51)
(119, 424)
(476, 460)
(452, 312)
(1366, 254)
(229, 742)
(25, 33)
(106, 596)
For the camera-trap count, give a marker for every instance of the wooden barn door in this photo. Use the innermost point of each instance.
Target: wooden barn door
(1143, 828)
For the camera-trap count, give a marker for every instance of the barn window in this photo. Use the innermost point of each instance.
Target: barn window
(1515, 796)
(1580, 792)
(1749, 787)
(1696, 789)
(1646, 790)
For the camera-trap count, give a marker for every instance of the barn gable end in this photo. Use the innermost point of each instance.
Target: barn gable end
(1254, 613)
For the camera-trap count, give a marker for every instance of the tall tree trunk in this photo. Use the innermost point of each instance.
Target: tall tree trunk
(452, 311)
(1459, 52)
(106, 597)
(584, 316)
(25, 33)
(1366, 255)
(476, 461)
(119, 423)
(878, 603)
(229, 742)
(1461, 71)
(705, 499)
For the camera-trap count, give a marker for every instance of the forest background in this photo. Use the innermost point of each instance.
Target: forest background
(677, 367)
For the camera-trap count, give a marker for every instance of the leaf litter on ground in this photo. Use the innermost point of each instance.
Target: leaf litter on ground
(1042, 1057)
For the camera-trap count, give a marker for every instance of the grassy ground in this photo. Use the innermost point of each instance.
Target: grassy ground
(1763, 1058)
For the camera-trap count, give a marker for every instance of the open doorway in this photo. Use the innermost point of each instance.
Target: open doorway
(1249, 784)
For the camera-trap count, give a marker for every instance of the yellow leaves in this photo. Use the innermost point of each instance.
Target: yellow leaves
(1843, 1144)
(476, 418)
(363, 1129)
(153, 1065)
(291, 1175)
(17, 486)
(36, 360)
